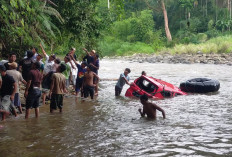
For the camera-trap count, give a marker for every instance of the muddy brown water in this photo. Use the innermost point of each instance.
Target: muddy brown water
(196, 124)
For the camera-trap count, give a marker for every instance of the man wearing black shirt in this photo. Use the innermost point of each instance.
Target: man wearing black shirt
(89, 56)
(25, 65)
(8, 88)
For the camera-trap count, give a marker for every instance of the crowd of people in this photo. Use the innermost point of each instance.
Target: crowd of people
(55, 77)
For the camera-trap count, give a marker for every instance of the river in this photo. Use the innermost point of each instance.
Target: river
(196, 124)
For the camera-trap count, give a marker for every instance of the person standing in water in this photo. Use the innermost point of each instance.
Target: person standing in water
(32, 91)
(7, 92)
(80, 76)
(18, 78)
(149, 108)
(58, 88)
(123, 79)
(88, 85)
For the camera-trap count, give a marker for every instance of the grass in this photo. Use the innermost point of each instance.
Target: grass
(112, 47)
(222, 44)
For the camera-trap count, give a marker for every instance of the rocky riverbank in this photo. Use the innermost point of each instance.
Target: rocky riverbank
(185, 58)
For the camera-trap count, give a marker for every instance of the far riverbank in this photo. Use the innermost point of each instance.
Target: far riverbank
(184, 58)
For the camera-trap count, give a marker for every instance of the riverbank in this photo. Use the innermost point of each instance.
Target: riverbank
(184, 58)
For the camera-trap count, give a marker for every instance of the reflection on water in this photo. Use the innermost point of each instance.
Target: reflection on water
(196, 125)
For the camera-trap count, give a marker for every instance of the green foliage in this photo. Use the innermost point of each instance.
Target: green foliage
(186, 3)
(139, 27)
(25, 23)
(215, 45)
(111, 47)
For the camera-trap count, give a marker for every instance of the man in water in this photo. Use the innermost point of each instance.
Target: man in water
(18, 78)
(88, 85)
(7, 92)
(25, 65)
(58, 88)
(144, 73)
(149, 108)
(123, 79)
(80, 75)
(32, 91)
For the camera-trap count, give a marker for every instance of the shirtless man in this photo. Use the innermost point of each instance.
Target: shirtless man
(88, 85)
(149, 108)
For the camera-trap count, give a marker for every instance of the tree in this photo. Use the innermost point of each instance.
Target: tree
(165, 16)
(168, 33)
(25, 23)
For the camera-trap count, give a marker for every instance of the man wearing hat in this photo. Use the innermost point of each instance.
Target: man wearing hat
(8, 90)
(18, 78)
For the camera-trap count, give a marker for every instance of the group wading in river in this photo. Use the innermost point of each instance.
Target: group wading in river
(50, 79)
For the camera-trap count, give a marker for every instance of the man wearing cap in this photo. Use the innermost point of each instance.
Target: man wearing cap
(25, 65)
(18, 78)
(35, 54)
(11, 58)
(32, 91)
(8, 90)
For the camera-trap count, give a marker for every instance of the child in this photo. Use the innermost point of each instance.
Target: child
(88, 85)
(58, 88)
(123, 79)
(149, 108)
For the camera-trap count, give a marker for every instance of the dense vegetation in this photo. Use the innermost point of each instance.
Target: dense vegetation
(121, 27)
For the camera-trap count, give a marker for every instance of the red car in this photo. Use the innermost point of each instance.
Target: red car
(153, 88)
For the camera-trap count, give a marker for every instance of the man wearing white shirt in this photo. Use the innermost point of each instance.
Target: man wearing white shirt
(48, 67)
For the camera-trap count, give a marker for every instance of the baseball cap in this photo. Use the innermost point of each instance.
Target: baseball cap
(2, 68)
(13, 65)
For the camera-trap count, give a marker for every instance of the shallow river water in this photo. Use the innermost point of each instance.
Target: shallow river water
(196, 124)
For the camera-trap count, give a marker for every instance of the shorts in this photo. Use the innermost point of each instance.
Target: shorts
(95, 80)
(17, 102)
(33, 97)
(88, 90)
(78, 85)
(6, 103)
(56, 101)
(44, 90)
(118, 91)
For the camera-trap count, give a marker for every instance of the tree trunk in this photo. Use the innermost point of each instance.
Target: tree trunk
(168, 33)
